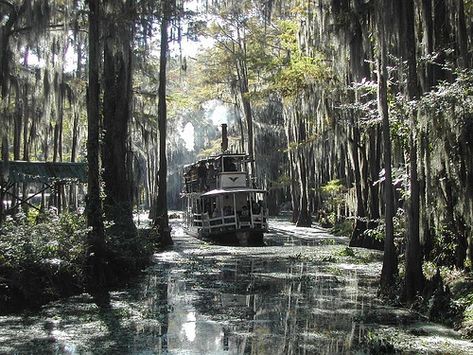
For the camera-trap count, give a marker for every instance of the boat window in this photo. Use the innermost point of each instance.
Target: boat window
(230, 164)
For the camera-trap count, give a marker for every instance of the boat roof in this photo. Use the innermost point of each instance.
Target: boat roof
(231, 191)
(228, 155)
(217, 156)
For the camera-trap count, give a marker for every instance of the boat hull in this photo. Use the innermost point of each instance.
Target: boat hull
(233, 237)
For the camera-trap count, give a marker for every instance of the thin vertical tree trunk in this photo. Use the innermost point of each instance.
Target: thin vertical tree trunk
(162, 218)
(75, 143)
(414, 279)
(25, 124)
(441, 32)
(428, 39)
(300, 135)
(374, 157)
(4, 157)
(292, 172)
(249, 125)
(26, 111)
(356, 238)
(464, 55)
(96, 243)
(390, 265)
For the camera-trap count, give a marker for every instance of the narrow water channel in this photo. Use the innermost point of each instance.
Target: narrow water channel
(302, 293)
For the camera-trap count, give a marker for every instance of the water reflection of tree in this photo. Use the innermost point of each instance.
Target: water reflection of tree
(270, 312)
(155, 298)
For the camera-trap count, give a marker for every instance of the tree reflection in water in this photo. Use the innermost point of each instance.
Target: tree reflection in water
(292, 296)
(250, 302)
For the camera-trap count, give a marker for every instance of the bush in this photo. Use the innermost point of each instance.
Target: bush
(344, 227)
(57, 239)
(41, 261)
(444, 246)
(44, 258)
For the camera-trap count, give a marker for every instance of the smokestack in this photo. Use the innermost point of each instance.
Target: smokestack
(224, 137)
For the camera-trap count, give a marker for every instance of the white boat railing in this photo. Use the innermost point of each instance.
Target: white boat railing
(232, 222)
(197, 219)
(228, 222)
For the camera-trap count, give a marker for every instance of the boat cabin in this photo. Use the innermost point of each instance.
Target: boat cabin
(222, 198)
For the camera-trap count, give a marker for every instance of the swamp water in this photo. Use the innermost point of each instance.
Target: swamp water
(304, 292)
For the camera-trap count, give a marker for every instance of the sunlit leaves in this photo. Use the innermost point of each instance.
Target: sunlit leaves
(299, 74)
(456, 95)
(296, 71)
(302, 143)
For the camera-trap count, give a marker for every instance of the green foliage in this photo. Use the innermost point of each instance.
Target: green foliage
(216, 148)
(347, 251)
(444, 246)
(344, 227)
(43, 259)
(378, 344)
(282, 181)
(333, 187)
(301, 144)
(32, 215)
(295, 70)
(57, 240)
(358, 256)
(448, 96)
(400, 131)
(376, 233)
(400, 224)
(333, 194)
(300, 73)
(129, 255)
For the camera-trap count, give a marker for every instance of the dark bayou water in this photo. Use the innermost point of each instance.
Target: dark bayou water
(302, 293)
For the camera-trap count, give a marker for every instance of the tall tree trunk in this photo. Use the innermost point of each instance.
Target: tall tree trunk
(162, 218)
(414, 279)
(3, 175)
(75, 143)
(293, 176)
(374, 160)
(18, 128)
(242, 73)
(294, 188)
(463, 54)
(117, 113)
(426, 234)
(428, 39)
(240, 125)
(27, 111)
(249, 125)
(304, 219)
(300, 135)
(96, 242)
(390, 265)
(55, 142)
(441, 31)
(357, 237)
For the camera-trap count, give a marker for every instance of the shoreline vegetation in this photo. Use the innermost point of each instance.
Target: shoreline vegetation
(447, 297)
(43, 258)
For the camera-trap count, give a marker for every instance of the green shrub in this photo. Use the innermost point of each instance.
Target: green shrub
(61, 239)
(444, 245)
(344, 227)
(44, 258)
(42, 261)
